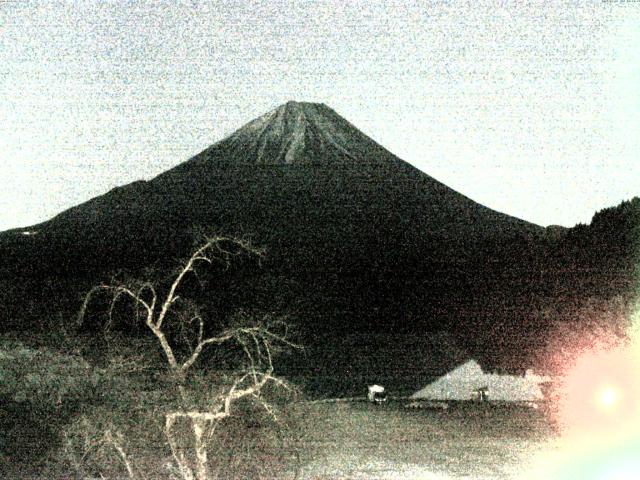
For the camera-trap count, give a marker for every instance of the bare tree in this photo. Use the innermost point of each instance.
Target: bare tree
(257, 340)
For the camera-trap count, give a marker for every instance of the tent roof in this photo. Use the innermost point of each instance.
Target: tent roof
(461, 382)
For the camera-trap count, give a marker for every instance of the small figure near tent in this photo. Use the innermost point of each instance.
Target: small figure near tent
(376, 394)
(480, 394)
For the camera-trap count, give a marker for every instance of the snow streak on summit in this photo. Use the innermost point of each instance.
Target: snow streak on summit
(299, 133)
(289, 132)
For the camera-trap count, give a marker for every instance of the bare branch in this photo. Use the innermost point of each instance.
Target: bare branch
(87, 299)
(247, 352)
(115, 443)
(183, 466)
(257, 340)
(268, 408)
(200, 346)
(200, 255)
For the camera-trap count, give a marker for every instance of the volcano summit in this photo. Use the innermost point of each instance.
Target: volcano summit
(301, 134)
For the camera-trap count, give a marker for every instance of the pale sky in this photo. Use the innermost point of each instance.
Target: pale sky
(531, 108)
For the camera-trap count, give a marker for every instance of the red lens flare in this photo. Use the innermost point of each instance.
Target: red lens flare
(600, 391)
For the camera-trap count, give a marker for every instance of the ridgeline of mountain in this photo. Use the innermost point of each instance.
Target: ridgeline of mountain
(357, 240)
(302, 174)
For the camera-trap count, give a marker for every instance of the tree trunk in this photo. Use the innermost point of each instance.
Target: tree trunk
(202, 467)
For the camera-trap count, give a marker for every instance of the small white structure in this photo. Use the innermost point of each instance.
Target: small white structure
(469, 382)
(480, 394)
(376, 394)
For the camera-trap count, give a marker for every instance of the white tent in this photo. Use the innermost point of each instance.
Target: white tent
(463, 381)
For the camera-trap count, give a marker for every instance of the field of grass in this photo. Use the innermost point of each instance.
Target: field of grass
(469, 441)
(55, 406)
(344, 440)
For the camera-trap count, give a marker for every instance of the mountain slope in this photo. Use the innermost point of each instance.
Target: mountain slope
(302, 166)
(357, 240)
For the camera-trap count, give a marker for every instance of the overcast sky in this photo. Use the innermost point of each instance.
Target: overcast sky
(530, 108)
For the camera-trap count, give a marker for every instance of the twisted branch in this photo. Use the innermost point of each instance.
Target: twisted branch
(256, 342)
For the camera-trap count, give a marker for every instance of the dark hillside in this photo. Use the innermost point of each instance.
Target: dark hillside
(358, 241)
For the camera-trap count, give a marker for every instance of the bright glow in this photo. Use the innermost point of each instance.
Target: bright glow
(609, 457)
(608, 397)
(599, 412)
(600, 391)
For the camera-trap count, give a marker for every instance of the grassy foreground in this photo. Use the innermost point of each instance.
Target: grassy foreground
(363, 441)
(55, 406)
